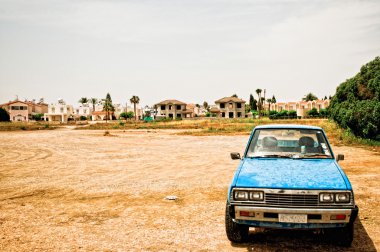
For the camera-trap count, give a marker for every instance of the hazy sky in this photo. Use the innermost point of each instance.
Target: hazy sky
(190, 50)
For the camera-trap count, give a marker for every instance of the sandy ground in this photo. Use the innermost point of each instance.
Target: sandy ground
(79, 190)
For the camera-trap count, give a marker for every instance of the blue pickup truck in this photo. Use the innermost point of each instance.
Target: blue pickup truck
(289, 178)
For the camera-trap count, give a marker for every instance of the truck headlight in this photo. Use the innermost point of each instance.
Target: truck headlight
(256, 195)
(326, 197)
(342, 197)
(241, 195)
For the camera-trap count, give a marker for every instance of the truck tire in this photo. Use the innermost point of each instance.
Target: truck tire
(341, 236)
(235, 232)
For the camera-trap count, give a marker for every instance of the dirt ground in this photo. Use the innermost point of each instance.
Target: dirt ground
(80, 190)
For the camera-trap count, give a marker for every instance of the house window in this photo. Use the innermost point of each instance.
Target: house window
(162, 107)
(85, 111)
(178, 107)
(61, 110)
(222, 105)
(53, 110)
(239, 114)
(15, 107)
(179, 115)
(77, 111)
(170, 107)
(230, 105)
(223, 114)
(239, 106)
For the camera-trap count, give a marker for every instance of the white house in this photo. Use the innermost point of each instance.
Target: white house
(59, 112)
(84, 110)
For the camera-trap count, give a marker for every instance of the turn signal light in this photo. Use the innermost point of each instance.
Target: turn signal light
(247, 214)
(338, 217)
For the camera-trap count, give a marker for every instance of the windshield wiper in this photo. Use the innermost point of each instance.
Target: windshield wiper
(316, 155)
(272, 155)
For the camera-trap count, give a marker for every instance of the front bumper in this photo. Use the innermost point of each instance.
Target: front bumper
(270, 217)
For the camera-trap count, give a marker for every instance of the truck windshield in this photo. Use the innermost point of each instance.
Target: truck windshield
(289, 143)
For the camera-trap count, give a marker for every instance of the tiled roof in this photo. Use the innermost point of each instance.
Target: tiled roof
(229, 99)
(11, 102)
(174, 102)
(214, 110)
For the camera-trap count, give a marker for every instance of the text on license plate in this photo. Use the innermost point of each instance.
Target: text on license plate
(292, 218)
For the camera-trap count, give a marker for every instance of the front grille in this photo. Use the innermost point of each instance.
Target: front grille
(291, 200)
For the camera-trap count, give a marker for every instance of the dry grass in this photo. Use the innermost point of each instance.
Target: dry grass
(16, 126)
(217, 126)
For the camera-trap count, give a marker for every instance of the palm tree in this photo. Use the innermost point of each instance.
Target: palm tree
(83, 100)
(93, 101)
(258, 92)
(135, 100)
(269, 101)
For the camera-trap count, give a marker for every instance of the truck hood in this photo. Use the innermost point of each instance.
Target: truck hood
(291, 174)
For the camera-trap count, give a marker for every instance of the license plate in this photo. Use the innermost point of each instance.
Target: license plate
(292, 218)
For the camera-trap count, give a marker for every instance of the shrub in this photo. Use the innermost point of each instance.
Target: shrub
(272, 112)
(37, 117)
(323, 112)
(282, 113)
(356, 104)
(292, 113)
(82, 118)
(312, 112)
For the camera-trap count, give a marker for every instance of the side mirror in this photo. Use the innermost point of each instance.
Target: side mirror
(235, 155)
(340, 157)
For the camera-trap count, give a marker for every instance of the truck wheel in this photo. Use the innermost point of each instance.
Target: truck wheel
(235, 232)
(341, 236)
(345, 235)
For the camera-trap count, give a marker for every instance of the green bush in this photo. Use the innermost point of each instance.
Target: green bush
(37, 117)
(282, 113)
(356, 104)
(312, 112)
(292, 113)
(272, 112)
(83, 118)
(323, 112)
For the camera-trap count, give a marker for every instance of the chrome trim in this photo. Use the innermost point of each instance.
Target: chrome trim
(325, 213)
(307, 203)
